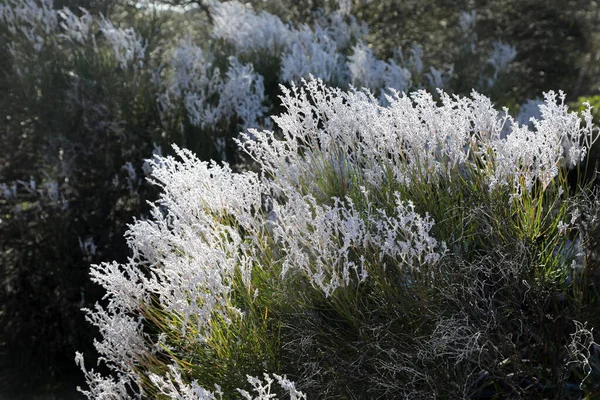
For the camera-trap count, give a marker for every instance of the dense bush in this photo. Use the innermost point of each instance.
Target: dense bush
(334, 266)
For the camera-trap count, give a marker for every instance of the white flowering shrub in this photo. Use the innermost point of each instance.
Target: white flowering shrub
(334, 49)
(247, 30)
(364, 225)
(128, 48)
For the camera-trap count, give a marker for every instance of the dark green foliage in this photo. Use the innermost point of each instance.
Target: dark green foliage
(73, 118)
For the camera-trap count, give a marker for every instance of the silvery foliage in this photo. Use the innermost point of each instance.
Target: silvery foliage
(35, 20)
(303, 50)
(194, 81)
(263, 389)
(210, 224)
(128, 47)
(466, 28)
(434, 139)
(39, 22)
(77, 29)
(560, 137)
(378, 75)
(249, 31)
(174, 387)
(531, 111)
(501, 57)
(312, 53)
(323, 50)
(242, 94)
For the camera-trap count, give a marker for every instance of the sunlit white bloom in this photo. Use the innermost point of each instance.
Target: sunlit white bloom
(312, 54)
(318, 240)
(101, 387)
(212, 226)
(263, 389)
(405, 237)
(128, 47)
(377, 75)
(429, 135)
(36, 20)
(502, 55)
(157, 153)
(248, 30)
(438, 79)
(192, 80)
(242, 94)
(207, 96)
(173, 386)
(76, 28)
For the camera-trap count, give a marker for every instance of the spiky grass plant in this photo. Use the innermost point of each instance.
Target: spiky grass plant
(422, 249)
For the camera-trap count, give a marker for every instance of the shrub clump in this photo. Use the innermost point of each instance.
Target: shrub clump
(423, 248)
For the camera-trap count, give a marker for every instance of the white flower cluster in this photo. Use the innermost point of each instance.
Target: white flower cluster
(192, 81)
(129, 48)
(39, 22)
(34, 19)
(211, 224)
(324, 51)
(414, 133)
(192, 247)
(466, 27)
(558, 138)
(304, 51)
(208, 98)
(247, 30)
(368, 71)
(405, 237)
(319, 240)
(76, 29)
(312, 53)
(242, 94)
(502, 55)
(263, 390)
(174, 387)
